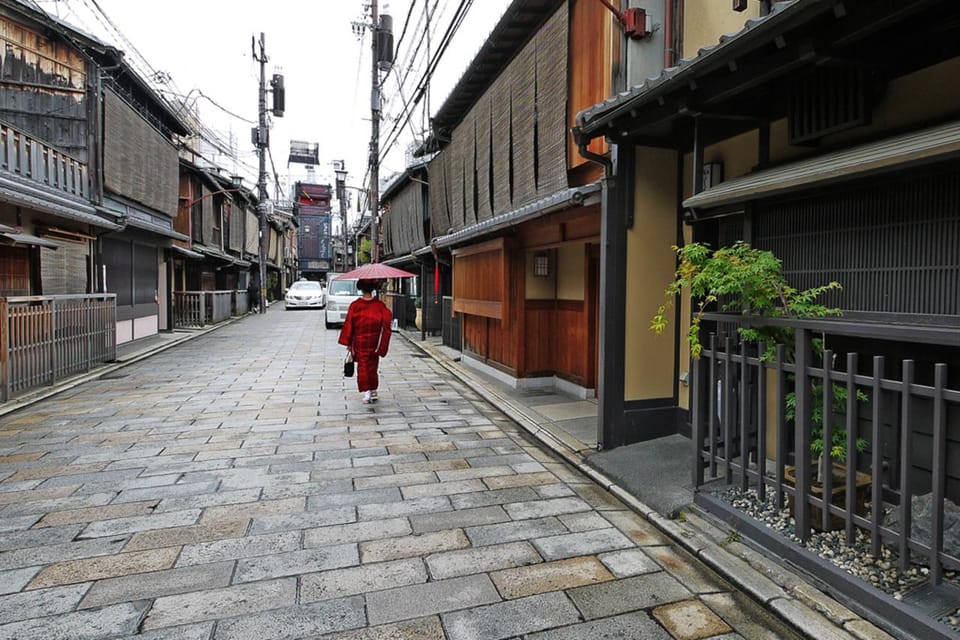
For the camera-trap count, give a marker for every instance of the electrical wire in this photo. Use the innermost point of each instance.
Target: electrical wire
(408, 111)
(406, 22)
(452, 28)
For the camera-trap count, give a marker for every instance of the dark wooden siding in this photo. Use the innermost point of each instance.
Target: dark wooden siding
(893, 246)
(14, 271)
(43, 89)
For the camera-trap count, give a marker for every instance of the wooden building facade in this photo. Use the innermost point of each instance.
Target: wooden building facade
(511, 208)
(827, 133)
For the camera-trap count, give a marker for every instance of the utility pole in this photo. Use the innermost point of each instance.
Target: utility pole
(261, 139)
(262, 144)
(341, 172)
(374, 134)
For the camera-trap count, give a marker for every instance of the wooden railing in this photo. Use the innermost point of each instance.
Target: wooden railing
(906, 420)
(48, 338)
(193, 309)
(31, 159)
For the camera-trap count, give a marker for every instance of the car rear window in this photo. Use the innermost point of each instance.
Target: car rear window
(343, 288)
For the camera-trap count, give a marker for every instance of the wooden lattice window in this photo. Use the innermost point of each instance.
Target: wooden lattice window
(14, 271)
(829, 99)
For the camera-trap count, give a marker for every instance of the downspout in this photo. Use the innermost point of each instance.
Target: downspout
(584, 151)
(668, 17)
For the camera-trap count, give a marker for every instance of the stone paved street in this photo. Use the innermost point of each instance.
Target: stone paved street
(234, 486)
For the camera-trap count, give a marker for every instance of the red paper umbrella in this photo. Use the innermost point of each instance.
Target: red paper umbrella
(374, 271)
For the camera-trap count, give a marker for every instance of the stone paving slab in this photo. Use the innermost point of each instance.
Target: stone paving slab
(431, 598)
(512, 618)
(301, 621)
(119, 620)
(366, 578)
(158, 583)
(213, 604)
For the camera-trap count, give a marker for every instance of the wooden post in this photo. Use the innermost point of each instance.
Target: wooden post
(4, 351)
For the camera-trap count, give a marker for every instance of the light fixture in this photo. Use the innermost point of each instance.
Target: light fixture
(236, 181)
(541, 265)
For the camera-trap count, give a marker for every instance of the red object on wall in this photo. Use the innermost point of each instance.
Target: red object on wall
(436, 281)
(634, 23)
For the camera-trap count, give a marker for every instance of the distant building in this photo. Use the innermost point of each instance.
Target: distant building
(314, 238)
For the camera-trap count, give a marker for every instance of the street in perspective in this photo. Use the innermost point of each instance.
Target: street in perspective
(500, 320)
(235, 486)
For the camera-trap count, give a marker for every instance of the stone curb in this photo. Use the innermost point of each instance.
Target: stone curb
(791, 598)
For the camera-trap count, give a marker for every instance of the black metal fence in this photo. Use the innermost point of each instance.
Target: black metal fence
(758, 421)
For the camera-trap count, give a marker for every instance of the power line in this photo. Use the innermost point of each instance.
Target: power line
(452, 29)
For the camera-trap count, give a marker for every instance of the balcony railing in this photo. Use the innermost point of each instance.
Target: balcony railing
(905, 419)
(48, 338)
(31, 159)
(194, 309)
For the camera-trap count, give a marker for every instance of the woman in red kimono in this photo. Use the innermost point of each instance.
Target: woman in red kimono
(366, 334)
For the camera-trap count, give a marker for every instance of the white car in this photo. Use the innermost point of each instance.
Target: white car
(305, 294)
(339, 296)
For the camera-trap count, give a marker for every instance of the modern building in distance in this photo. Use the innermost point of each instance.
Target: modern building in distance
(314, 237)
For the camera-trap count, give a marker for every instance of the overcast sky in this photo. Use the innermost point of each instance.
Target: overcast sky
(205, 45)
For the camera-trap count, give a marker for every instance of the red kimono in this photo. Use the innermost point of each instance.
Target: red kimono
(366, 332)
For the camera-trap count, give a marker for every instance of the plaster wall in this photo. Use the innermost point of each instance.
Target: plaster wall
(929, 95)
(704, 23)
(571, 264)
(649, 359)
(540, 287)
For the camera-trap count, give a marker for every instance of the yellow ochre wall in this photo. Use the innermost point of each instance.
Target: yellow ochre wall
(539, 287)
(649, 360)
(705, 21)
(571, 267)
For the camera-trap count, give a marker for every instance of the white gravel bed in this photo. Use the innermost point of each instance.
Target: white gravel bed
(856, 559)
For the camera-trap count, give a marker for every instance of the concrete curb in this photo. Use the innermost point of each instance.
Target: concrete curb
(792, 599)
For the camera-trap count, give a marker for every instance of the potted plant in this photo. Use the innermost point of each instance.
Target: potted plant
(835, 453)
(751, 281)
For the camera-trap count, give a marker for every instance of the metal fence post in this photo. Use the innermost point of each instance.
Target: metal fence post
(939, 467)
(906, 463)
(697, 426)
(802, 442)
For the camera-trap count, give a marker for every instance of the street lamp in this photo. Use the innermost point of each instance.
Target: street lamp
(341, 172)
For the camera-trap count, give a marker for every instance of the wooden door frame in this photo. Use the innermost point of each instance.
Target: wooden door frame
(593, 315)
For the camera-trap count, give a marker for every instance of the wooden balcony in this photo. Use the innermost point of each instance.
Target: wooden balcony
(33, 160)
